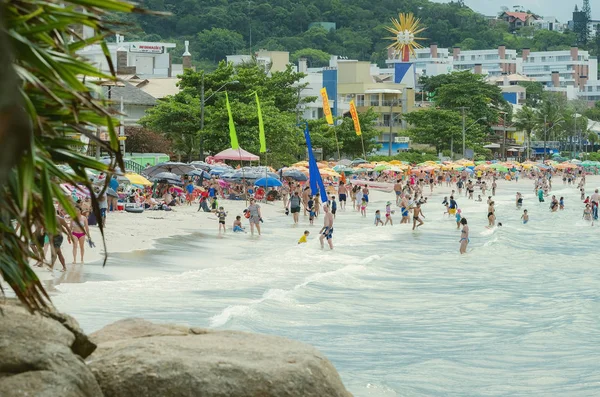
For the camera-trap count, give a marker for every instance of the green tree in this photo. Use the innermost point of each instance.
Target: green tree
(178, 119)
(534, 92)
(315, 58)
(527, 121)
(441, 127)
(594, 112)
(483, 101)
(142, 140)
(215, 44)
(47, 103)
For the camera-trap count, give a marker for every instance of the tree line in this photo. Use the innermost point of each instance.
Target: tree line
(218, 28)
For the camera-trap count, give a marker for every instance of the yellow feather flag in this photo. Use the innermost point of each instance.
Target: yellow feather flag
(326, 107)
(232, 133)
(354, 115)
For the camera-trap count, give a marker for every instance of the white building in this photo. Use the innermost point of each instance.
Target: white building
(575, 68)
(548, 23)
(144, 59)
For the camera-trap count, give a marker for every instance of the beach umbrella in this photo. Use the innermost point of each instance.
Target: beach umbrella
(563, 166)
(137, 179)
(329, 172)
(295, 174)
(267, 182)
(201, 173)
(344, 162)
(356, 162)
(382, 167)
(301, 164)
(342, 168)
(169, 166)
(575, 161)
(499, 167)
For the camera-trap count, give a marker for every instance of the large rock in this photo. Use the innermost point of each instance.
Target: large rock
(42, 355)
(142, 359)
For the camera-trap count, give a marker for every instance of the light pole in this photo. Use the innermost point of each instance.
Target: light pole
(546, 130)
(202, 103)
(464, 134)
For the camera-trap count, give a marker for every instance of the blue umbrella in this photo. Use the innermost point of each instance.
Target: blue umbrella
(469, 170)
(267, 182)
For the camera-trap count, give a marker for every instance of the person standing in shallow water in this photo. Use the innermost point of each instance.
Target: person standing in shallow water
(327, 230)
(464, 236)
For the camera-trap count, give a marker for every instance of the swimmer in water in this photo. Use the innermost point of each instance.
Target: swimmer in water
(525, 217)
(416, 216)
(464, 236)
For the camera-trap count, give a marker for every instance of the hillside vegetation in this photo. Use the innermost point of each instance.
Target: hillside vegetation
(217, 28)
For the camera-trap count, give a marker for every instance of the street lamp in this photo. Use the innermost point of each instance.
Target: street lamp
(546, 130)
(464, 134)
(202, 103)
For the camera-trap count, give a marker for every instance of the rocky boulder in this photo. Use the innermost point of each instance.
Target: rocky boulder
(43, 354)
(138, 358)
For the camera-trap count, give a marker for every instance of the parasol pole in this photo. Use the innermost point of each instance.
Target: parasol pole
(243, 176)
(363, 147)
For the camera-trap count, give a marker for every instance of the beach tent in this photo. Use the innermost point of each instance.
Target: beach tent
(233, 154)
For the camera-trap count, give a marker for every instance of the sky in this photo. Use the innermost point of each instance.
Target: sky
(560, 9)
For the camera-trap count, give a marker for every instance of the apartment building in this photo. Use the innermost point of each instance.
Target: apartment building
(491, 62)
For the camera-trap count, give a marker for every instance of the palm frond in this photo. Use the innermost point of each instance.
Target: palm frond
(52, 103)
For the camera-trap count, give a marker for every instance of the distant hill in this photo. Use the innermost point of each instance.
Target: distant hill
(216, 28)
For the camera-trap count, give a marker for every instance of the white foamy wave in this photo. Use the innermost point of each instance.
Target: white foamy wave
(370, 259)
(230, 312)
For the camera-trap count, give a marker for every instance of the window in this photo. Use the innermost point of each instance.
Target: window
(374, 99)
(360, 100)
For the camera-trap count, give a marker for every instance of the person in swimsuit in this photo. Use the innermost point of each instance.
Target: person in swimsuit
(398, 190)
(491, 214)
(237, 224)
(79, 229)
(525, 217)
(587, 213)
(404, 209)
(366, 193)
(342, 191)
(417, 212)
(378, 218)
(363, 207)
(388, 213)
(255, 216)
(221, 214)
(327, 230)
(464, 236)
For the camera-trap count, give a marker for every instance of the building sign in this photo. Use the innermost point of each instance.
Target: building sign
(401, 139)
(146, 48)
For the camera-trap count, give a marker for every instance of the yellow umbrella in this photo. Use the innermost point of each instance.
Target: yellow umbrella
(301, 164)
(137, 179)
(329, 172)
(482, 167)
(563, 166)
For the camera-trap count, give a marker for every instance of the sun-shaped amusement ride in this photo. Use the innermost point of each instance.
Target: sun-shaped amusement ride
(405, 30)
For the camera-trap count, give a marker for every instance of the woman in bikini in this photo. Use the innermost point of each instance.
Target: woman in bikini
(79, 229)
(464, 236)
(491, 214)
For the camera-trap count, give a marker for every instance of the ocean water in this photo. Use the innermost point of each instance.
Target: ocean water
(399, 313)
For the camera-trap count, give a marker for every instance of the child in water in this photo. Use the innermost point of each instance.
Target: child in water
(378, 218)
(561, 203)
(221, 214)
(311, 210)
(458, 218)
(237, 224)
(304, 237)
(388, 213)
(525, 217)
(363, 207)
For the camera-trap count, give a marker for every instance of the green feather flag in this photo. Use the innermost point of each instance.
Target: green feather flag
(261, 127)
(232, 133)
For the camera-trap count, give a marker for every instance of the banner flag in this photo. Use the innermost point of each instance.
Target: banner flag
(326, 107)
(261, 127)
(354, 115)
(232, 133)
(315, 181)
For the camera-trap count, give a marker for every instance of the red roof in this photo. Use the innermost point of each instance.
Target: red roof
(518, 15)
